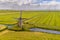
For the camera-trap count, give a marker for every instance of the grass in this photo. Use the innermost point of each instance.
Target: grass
(40, 19)
(46, 20)
(24, 35)
(9, 17)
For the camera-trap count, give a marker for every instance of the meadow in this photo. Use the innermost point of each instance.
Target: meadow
(43, 19)
(25, 35)
(39, 19)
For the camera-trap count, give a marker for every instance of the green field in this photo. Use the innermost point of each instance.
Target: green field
(46, 20)
(24, 35)
(40, 19)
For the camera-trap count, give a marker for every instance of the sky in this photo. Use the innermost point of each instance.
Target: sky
(25, 2)
(21, 2)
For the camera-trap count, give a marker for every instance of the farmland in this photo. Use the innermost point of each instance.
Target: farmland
(39, 19)
(45, 20)
(25, 35)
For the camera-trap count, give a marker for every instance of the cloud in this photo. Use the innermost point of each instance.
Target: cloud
(53, 2)
(8, 0)
(20, 2)
(43, 2)
(32, 4)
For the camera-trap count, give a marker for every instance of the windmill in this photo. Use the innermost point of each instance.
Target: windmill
(20, 22)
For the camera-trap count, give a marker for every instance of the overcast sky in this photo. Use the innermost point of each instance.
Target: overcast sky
(20, 2)
(32, 2)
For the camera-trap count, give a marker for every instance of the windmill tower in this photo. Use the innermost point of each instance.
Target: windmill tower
(20, 22)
